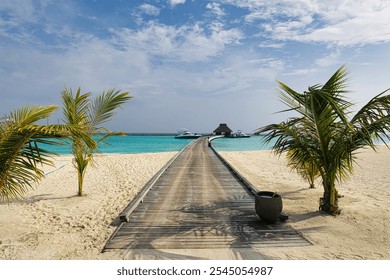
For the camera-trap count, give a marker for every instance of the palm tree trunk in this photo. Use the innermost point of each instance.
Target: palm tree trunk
(329, 201)
(80, 178)
(81, 166)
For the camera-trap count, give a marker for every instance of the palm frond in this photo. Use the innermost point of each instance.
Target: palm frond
(75, 106)
(372, 121)
(334, 89)
(104, 105)
(30, 114)
(295, 101)
(20, 153)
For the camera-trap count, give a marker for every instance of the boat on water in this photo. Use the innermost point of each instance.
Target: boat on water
(185, 134)
(239, 134)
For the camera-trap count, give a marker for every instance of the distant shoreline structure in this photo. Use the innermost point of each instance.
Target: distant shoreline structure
(157, 133)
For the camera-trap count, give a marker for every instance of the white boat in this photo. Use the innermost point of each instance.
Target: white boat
(240, 134)
(185, 134)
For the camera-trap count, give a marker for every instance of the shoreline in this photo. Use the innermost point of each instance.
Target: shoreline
(51, 222)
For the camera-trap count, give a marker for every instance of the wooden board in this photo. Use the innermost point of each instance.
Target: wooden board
(198, 203)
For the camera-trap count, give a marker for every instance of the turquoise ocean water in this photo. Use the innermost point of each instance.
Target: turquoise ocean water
(133, 144)
(254, 143)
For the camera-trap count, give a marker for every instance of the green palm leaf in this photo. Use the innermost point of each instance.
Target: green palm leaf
(20, 155)
(104, 105)
(372, 121)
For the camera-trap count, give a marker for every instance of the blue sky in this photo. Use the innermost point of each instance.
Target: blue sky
(190, 63)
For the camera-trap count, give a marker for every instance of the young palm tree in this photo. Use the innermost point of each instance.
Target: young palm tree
(307, 170)
(323, 139)
(20, 151)
(79, 109)
(20, 154)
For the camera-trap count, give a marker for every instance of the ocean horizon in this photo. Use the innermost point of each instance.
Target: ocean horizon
(131, 143)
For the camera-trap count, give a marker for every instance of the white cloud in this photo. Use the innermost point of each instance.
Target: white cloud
(334, 58)
(271, 45)
(369, 24)
(216, 9)
(20, 10)
(302, 72)
(185, 43)
(199, 46)
(341, 22)
(19, 13)
(150, 9)
(176, 2)
(159, 91)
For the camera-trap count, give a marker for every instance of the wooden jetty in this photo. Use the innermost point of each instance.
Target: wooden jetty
(198, 204)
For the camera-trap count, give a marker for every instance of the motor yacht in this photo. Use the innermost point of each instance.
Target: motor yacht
(185, 134)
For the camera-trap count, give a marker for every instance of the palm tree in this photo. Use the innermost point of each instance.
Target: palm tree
(307, 170)
(323, 138)
(79, 109)
(19, 150)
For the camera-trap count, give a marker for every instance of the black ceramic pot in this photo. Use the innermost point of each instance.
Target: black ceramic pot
(268, 206)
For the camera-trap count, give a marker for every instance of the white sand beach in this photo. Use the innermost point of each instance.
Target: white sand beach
(360, 232)
(51, 222)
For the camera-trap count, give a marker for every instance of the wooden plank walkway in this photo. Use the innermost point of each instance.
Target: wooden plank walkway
(198, 203)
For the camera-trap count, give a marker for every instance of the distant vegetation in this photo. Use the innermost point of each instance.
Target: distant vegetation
(322, 141)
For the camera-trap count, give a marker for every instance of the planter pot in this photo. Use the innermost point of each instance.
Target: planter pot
(268, 206)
